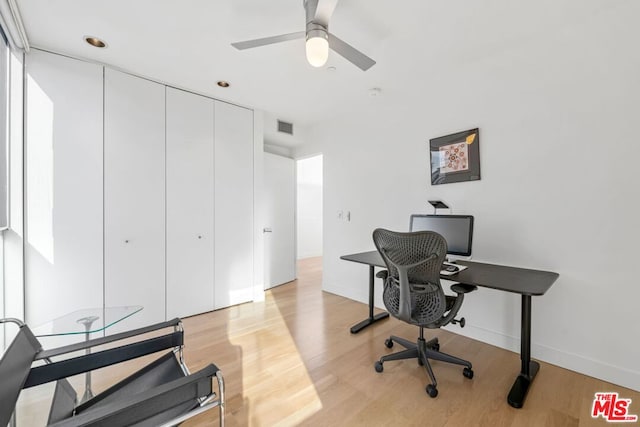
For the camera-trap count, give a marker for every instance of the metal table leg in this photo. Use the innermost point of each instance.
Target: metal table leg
(87, 322)
(371, 319)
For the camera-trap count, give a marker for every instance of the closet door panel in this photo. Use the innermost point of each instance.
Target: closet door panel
(134, 195)
(233, 205)
(63, 186)
(190, 203)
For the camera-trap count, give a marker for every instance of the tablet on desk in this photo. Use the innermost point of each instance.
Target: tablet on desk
(449, 269)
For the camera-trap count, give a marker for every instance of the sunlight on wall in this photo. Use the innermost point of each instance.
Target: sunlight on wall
(39, 180)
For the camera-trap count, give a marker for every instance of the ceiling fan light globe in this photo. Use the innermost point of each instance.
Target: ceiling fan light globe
(317, 51)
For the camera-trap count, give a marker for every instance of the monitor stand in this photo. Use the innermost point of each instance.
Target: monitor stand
(453, 259)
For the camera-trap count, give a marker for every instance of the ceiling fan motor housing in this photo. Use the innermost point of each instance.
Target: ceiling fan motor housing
(314, 29)
(317, 30)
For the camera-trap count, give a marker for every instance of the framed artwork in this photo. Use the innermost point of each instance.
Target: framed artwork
(455, 157)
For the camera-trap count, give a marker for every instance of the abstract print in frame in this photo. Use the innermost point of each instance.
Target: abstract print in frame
(455, 157)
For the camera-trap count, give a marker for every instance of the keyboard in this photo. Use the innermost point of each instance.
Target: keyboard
(450, 269)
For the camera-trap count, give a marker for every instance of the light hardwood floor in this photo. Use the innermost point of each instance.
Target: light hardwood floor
(291, 360)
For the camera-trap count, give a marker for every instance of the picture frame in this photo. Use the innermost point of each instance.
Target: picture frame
(455, 157)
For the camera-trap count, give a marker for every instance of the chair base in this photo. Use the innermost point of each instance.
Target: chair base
(423, 351)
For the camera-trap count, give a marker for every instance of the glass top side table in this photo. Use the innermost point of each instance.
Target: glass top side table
(86, 321)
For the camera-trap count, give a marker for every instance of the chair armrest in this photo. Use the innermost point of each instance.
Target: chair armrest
(460, 288)
(15, 364)
(46, 354)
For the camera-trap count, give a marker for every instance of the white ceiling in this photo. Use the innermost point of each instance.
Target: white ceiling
(186, 43)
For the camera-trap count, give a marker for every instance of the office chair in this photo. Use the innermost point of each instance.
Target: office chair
(413, 294)
(163, 393)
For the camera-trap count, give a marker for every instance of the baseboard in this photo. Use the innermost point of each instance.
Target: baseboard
(306, 255)
(571, 361)
(574, 362)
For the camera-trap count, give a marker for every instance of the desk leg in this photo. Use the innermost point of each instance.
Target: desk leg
(371, 319)
(529, 368)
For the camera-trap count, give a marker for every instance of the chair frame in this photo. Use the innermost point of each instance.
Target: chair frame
(59, 370)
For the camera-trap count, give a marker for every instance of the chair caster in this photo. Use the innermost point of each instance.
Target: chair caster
(432, 391)
(435, 347)
(468, 372)
(388, 343)
(378, 366)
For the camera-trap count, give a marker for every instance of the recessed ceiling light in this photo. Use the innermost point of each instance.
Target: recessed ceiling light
(222, 83)
(94, 41)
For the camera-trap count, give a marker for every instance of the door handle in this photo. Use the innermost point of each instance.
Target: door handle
(267, 230)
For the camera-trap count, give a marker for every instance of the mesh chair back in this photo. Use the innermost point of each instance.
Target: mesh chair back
(420, 254)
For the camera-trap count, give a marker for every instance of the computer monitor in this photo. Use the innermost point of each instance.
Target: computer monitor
(457, 230)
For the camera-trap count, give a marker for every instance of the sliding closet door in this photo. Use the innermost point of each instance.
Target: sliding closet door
(190, 230)
(233, 205)
(134, 196)
(63, 186)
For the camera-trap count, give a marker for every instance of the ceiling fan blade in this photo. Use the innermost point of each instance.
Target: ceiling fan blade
(324, 10)
(350, 53)
(248, 44)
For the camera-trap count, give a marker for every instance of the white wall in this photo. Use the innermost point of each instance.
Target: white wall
(558, 149)
(309, 207)
(278, 150)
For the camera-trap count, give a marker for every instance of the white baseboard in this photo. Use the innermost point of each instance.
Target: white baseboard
(571, 361)
(574, 362)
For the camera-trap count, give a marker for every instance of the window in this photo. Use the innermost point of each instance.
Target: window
(4, 165)
(11, 130)
(4, 132)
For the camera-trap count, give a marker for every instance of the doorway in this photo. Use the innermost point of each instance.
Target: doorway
(309, 207)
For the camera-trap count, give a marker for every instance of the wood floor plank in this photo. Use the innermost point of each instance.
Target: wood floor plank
(291, 360)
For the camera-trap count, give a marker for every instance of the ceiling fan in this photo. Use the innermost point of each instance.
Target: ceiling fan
(318, 38)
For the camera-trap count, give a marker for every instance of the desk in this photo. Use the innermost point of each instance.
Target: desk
(521, 281)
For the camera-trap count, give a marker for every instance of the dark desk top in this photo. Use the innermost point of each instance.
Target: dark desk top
(369, 258)
(510, 279)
